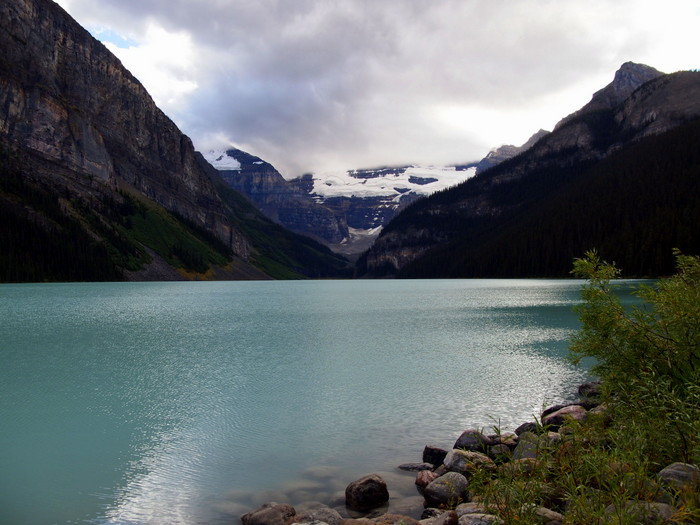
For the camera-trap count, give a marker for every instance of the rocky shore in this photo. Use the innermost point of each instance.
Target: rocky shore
(436, 490)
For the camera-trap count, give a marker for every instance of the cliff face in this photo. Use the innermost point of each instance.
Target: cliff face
(286, 202)
(89, 125)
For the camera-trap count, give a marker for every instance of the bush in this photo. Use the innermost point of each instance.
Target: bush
(648, 358)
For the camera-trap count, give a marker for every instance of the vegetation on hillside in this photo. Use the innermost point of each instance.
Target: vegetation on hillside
(636, 205)
(55, 234)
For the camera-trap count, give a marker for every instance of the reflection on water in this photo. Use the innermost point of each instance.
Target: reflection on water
(176, 402)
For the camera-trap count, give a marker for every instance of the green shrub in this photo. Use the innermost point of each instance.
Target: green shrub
(648, 358)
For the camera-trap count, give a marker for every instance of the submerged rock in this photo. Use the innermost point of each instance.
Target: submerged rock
(366, 493)
(270, 513)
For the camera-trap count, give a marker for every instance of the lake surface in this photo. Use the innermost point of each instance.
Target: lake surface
(176, 402)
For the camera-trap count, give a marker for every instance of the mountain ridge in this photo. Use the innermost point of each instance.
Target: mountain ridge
(471, 214)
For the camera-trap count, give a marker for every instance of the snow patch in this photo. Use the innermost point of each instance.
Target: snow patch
(389, 183)
(221, 160)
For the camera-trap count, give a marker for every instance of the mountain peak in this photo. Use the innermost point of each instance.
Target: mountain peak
(628, 78)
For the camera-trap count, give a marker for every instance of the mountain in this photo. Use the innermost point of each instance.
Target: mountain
(287, 203)
(344, 210)
(507, 151)
(98, 183)
(620, 175)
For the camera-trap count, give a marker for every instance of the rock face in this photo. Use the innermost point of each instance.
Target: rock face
(77, 128)
(83, 117)
(288, 203)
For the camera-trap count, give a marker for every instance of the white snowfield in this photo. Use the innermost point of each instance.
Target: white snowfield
(220, 160)
(388, 182)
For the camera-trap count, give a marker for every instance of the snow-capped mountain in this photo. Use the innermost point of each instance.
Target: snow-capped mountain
(345, 210)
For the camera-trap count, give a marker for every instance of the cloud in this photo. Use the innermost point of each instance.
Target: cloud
(314, 85)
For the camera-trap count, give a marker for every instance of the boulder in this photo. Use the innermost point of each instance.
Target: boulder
(434, 455)
(471, 507)
(320, 514)
(548, 517)
(641, 512)
(527, 427)
(270, 513)
(425, 478)
(394, 519)
(416, 467)
(480, 519)
(681, 476)
(447, 518)
(500, 453)
(449, 490)
(552, 409)
(505, 438)
(366, 493)
(467, 462)
(590, 389)
(529, 445)
(473, 440)
(571, 412)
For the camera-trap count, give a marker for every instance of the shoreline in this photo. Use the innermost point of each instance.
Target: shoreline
(298, 500)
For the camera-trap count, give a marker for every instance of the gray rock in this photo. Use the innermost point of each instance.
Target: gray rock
(500, 453)
(529, 445)
(556, 419)
(527, 427)
(505, 438)
(467, 462)
(480, 519)
(548, 517)
(449, 490)
(643, 512)
(447, 518)
(416, 467)
(431, 513)
(394, 519)
(473, 440)
(681, 476)
(320, 514)
(471, 507)
(366, 493)
(270, 513)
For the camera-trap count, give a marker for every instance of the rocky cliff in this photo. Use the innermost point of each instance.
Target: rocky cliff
(289, 203)
(78, 129)
(70, 103)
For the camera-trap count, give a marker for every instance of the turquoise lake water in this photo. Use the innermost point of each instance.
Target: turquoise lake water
(175, 402)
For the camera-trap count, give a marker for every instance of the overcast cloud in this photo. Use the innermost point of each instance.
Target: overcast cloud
(319, 85)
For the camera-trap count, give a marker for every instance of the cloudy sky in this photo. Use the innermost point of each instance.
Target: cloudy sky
(324, 85)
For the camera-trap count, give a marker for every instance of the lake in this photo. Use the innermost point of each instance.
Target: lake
(178, 402)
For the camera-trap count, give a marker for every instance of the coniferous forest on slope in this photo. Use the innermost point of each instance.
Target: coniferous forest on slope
(634, 207)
